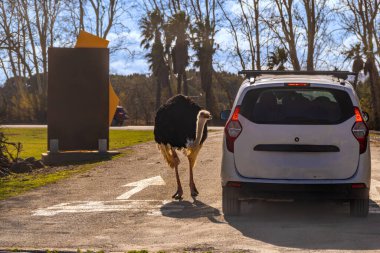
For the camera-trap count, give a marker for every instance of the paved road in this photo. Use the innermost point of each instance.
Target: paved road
(125, 204)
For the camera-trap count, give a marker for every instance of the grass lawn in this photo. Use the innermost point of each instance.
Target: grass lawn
(34, 140)
(17, 184)
(34, 143)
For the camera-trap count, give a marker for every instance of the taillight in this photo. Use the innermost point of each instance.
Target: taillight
(297, 84)
(233, 129)
(358, 186)
(360, 130)
(234, 184)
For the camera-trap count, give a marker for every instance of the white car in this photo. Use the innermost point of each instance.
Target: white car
(296, 135)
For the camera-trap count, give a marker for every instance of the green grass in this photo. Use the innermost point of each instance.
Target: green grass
(34, 140)
(34, 143)
(125, 138)
(16, 184)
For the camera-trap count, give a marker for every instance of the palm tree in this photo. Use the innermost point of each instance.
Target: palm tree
(202, 38)
(354, 54)
(277, 59)
(151, 27)
(177, 28)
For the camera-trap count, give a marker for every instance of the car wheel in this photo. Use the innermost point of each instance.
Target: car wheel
(230, 201)
(359, 207)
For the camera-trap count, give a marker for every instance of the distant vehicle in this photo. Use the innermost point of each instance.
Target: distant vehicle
(119, 117)
(296, 135)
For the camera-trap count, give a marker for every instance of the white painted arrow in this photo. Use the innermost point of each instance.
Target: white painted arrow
(151, 207)
(141, 185)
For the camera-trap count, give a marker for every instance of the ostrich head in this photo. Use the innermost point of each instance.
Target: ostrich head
(205, 115)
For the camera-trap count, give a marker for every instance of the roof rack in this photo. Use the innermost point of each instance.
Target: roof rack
(255, 73)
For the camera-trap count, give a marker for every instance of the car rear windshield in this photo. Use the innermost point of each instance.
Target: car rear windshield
(297, 106)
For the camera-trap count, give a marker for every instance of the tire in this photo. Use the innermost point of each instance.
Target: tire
(359, 207)
(230, 201)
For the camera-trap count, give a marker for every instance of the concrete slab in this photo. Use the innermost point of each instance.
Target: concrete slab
(70, 157)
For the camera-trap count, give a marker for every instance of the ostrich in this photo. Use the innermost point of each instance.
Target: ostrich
(181, 124)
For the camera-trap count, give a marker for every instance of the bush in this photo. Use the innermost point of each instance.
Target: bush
(9, 153)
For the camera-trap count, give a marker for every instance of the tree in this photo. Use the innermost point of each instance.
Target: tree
(177, 29)
(203, 30)
(360, 19)
(246, 27)
(301, 24)
(151, 27)
(354, 53)
(135, 93)
(278, 58)
(288, 39)
(29, 29)
(104, 12)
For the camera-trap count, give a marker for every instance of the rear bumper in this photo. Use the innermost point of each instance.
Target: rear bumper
(300, 191)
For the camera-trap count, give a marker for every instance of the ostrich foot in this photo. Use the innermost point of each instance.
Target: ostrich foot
(194, 190)
(178, 194)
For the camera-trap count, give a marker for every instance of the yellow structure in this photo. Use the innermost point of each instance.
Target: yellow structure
(88, 40)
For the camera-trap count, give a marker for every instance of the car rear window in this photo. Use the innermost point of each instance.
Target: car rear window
(297, 106)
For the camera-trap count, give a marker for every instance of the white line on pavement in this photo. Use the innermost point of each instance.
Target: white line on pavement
(152, 207)
(141, 185)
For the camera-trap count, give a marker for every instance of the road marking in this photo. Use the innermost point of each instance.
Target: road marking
(152, 207)
(141, 185)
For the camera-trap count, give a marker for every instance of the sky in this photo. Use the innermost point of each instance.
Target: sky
(125, 62)
(131, 58)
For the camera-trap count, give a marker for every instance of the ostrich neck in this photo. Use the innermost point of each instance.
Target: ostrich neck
(201, 122)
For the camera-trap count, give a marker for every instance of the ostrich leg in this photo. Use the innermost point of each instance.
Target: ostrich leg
(194, 191)
(192, 158)
(179, 193)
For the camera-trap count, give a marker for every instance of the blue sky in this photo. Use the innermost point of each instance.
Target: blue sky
(125, 62)
(131, 59)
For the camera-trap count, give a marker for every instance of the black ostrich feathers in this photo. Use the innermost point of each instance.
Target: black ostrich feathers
(176, 122)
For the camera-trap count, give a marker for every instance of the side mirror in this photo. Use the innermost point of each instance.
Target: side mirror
(365, 116)
(224, 115)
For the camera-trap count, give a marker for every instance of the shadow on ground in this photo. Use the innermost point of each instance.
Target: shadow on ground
(190, 210)
(307, 225)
